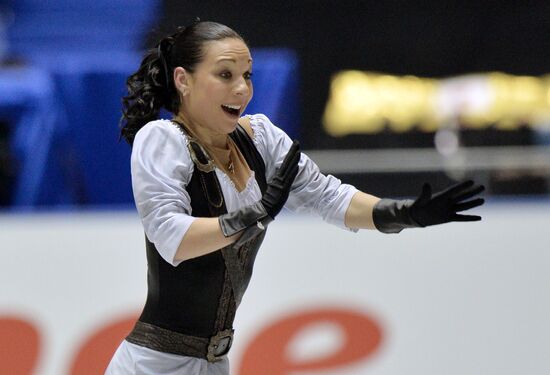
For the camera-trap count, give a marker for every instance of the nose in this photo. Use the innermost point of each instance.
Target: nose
(242, 87)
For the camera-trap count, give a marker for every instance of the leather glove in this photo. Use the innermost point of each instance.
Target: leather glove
(254, 218)
(392, 216)
(277, 191)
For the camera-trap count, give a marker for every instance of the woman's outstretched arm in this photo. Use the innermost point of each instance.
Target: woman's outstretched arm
(359, 212)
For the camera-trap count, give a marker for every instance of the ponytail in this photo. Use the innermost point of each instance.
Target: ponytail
(152, 88)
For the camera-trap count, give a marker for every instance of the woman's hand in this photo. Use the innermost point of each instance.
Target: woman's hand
(392, 216)
(278, 188)
(443, 207)
(253, 218)
(208, 234)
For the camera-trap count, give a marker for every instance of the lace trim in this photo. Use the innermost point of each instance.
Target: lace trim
(249, 184)
(185, 136)
(258, 132)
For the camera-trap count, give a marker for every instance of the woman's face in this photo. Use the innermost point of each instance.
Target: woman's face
(219, 89)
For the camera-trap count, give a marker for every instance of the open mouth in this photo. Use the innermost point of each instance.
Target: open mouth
(233, 110)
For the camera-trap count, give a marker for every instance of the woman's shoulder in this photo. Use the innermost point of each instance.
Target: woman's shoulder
(258, 119)
(258, 123)
(263, 128)
(162, 135)
(161, 130)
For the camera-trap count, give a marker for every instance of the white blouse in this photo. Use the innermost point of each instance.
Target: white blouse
(162, 167)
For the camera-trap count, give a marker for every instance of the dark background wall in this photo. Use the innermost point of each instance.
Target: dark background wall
(431, 39)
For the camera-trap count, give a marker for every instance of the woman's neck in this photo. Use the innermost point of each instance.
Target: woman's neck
(205, 135)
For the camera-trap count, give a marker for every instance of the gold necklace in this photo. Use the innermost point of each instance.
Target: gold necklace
(230, 165)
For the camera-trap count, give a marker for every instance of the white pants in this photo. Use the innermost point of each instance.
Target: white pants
(131, 359)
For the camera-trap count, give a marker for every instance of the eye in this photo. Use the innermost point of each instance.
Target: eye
(225, 75)
(247, 75)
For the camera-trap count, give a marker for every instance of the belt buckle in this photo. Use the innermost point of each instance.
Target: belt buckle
(219, 345)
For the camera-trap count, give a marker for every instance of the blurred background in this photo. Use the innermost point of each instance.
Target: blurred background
(383, 95)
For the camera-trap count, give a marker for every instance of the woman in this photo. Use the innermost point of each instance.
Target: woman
(207, 184)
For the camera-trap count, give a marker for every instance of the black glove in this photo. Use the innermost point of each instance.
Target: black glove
(442, 207)
(256, 216)
(392, 216)
(277, 191)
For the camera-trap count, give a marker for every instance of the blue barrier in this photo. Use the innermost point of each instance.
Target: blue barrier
(63, 26)
(29, 103)
(276, 79)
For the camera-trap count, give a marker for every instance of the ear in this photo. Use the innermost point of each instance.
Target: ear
(182, 80)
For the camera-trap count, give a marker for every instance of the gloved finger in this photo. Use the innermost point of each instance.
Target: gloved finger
(468, 205)
(292, 167)
(282, 174)
(283, 182)
(293, 150)
(469, 193)
(457, 188)
(296, 155)
(289, 179)
(425, 195)
(457, 217)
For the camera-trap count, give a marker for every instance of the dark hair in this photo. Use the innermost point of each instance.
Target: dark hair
(151, 87)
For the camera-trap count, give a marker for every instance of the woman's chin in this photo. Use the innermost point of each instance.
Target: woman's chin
(230, 123)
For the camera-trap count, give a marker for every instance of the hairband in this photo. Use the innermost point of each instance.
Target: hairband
(162, 57)
(165, 45)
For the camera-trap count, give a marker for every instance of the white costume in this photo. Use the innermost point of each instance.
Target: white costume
(162, 168)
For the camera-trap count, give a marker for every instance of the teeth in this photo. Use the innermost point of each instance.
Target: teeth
(237, 107)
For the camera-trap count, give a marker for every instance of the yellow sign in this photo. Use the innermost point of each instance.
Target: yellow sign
(363, 102)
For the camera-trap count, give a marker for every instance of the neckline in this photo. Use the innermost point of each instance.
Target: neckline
(248, 185)
(189, 137)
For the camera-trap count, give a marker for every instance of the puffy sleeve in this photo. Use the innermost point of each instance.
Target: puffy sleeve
(311, 191)
(161, 169)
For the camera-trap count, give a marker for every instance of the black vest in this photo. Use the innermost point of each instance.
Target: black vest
(196, 297)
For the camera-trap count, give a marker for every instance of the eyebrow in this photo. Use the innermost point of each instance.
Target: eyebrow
(230, 59)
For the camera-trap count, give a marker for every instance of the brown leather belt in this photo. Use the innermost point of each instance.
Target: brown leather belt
(164, 340)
